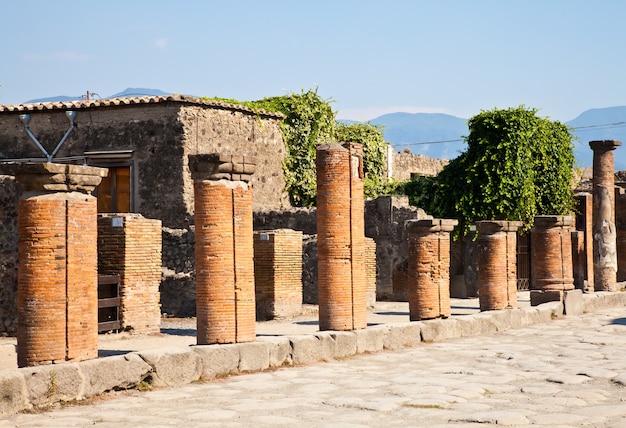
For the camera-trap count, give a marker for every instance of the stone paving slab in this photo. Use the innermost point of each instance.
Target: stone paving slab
(155, 364)
(546, 374)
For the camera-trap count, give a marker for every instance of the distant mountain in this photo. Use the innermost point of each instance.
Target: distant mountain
(600, 124)
(128, 92)
(413, 130)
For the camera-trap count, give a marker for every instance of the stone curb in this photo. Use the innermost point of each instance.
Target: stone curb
(25, 388)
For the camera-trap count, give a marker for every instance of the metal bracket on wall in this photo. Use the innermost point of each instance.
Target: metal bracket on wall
(25, 118)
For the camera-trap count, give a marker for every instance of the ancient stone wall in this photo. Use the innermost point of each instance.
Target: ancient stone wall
(404, 165)
(8, 255)
(159, 134)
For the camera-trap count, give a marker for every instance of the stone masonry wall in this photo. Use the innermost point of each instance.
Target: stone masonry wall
(8, 255)
(403, 165)
(160, 135)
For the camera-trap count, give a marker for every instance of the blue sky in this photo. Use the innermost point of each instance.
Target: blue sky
(370, 57)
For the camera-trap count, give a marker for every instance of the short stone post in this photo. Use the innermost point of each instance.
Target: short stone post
(604, 233)
(341, 237)
(552, 272)
(497, 264)
(225, 301)
(429, 268)
(620, 224)
(57, 296)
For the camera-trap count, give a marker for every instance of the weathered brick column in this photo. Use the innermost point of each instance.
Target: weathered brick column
(429, 268)
(584, 222)
(130, 245)
(620, 224)
(370, 272)
(604, 234)
(224, 251)
(57, 297)
(551, 258)
(341, 237)
(278, 273)
(497, 264)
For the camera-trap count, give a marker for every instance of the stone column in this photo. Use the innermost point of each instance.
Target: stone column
(341, 237)
(604, 234)
(584, 222)
(552, 273)
(497, 264)
(224, 250)
(429, 268)
(57, 296)
(620, 225)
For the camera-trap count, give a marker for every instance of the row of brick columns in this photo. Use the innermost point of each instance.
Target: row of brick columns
(57, 277)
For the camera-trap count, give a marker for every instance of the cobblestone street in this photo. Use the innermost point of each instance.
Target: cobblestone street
(567, 373)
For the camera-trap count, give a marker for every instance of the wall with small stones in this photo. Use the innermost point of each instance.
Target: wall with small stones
(8, 255)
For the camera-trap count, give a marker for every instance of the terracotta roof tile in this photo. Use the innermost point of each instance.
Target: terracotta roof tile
(112, 102)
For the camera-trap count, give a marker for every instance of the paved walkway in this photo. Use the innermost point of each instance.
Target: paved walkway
(567, 373)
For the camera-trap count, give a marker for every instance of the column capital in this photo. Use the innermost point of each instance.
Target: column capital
(219, 166)
(430, 225)
(547, 221)
(604, 145)
(495, 226)
(55, 177)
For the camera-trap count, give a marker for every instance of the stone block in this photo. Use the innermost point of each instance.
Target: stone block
(254, 356)
(217, 360)
(603, 299)
(173, 366)
(13, 393)
(371, 339)
(549, 311)
(345, 344)
(439, 329)
(53, 383)
(306, 348)
(477, 324)
(118, 372)
(279, 350)
(537, 297)
(573, 302)
(326, 344)
(403, 335)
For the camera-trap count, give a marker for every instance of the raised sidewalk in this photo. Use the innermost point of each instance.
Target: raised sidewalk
(133, 361)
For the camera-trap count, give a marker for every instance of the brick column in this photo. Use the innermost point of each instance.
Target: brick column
(224, 251)
(370, 272)
(429, 268)
(551, 258)
(584, 222)
(340, 234)
(278, 273)
(57, 297)
(604, 234)
(620, 225)
(497, 264)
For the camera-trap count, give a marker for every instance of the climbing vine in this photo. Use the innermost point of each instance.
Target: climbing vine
(309, 120)
(516, 166)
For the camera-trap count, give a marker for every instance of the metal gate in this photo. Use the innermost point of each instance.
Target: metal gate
(109, 303)
(523, 261)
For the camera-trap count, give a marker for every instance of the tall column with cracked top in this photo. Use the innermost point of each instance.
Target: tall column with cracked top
(604, 233)
(497, 264)
(224, 250)
(429, 268)
(57, 296)
(552, 272)
(341, 237)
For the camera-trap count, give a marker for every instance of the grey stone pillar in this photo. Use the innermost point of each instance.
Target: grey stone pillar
(604, 233)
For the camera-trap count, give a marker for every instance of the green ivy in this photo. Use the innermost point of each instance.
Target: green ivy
(309, 121)
(516, 166)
